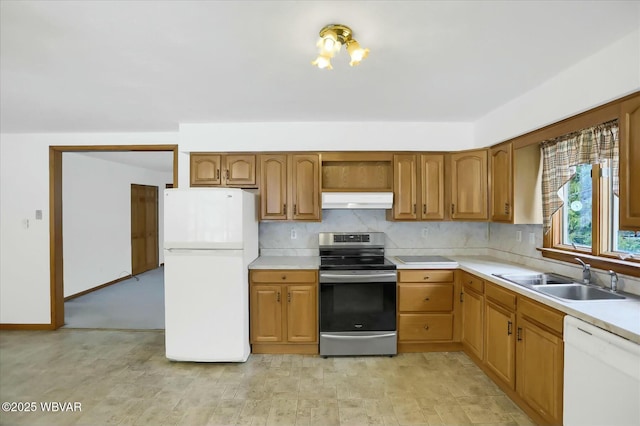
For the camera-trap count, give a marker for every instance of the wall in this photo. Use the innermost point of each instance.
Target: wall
(605, 76)
(97, 219)
(24, 188)
(443, 238)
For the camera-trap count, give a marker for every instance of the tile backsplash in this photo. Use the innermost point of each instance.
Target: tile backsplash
(442, 238)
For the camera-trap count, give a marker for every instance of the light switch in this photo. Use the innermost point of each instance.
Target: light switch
(38, 214)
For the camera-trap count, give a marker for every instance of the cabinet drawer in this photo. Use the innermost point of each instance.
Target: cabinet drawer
(543, 315)
(425, 276)
(501, 296)
(425, 297)
(283, 276)
(473, 282)
(425, 327)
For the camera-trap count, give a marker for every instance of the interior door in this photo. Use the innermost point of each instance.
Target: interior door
(144, 228)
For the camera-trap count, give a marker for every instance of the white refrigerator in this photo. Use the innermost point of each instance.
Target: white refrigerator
(210, 237)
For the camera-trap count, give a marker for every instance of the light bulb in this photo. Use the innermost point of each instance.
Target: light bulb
(356, 52)
(329, 43)
(323, 62)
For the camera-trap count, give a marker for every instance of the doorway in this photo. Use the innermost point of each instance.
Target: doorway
(144, 228)
(56, 214)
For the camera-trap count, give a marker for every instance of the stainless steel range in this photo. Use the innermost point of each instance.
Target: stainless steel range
(357, 295)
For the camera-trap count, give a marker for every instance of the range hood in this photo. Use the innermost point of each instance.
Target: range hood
(357, 200)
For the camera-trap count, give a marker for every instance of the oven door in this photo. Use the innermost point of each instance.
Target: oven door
(357, 301)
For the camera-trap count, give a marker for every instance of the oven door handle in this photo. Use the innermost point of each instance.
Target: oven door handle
(366, 278)
(352, 337)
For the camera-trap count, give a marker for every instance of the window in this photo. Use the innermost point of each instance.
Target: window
(580, 201)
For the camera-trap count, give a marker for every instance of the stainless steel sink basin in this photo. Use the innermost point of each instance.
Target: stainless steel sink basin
(536, 279)
(577, 292)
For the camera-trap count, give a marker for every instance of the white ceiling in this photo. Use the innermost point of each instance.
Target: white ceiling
(159, 161)
(94, 66)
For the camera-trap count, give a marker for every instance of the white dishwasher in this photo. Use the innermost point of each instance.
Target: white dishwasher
(601, 377)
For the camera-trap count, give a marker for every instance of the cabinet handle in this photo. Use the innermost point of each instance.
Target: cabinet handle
(424, 209)
(285, 208)
(295, 209)
(217, 173)
(284, 277)
(414, 209)
(426, 327)
(506, 208)
(519, 337)
(278, 297)
(426, 299)
(289, 297)
(453, 208)
(461, 297)
(426, 277)
(509, 332)
(227, 174)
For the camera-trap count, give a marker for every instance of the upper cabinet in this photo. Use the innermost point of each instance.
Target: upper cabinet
(630, 164)
(233, 170)
(418, 187)
(515, 184)
(501, 166)
(290, 187)
(469, 185)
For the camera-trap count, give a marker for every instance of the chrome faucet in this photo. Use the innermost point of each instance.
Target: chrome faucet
(614, 281)
(586, 271)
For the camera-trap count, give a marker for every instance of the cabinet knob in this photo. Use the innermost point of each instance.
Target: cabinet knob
(426, 299)
(426, 277)
(284, 277)
(426, 327)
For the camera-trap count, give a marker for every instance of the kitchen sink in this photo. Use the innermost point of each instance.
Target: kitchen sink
(536, 279)
(577, 292)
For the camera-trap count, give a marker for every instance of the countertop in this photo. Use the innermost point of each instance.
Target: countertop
(621, 317)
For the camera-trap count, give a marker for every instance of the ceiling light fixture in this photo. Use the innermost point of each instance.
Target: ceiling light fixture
(332, 37)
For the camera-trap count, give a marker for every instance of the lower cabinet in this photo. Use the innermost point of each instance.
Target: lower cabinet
(540, 359)
(472, 301)
(500, 333)
(284, 311)
(427, 313)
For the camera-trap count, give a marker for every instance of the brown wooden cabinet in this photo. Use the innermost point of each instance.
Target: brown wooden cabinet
(472, 299)
(500, 329)
(418, 187)
(468, 171)
(233, 170)
(290, 187)
(540, 359)
(501, 166)
(630, 164)
(426, 310)
(284, 311)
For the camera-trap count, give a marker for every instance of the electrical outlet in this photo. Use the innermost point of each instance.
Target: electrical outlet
(518, 236)
(425, 232)
(294, 234)
(38, 214)
(532, 238)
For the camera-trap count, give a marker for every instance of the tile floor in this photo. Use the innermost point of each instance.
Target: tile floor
(122, 377)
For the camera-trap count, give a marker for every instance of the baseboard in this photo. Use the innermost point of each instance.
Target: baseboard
(82, 293)
(31, 327)
(274, 348)
(404, 347)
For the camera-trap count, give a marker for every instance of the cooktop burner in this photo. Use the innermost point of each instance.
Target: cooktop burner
(353, 251)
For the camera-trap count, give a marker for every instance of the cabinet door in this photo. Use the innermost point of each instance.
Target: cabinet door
(305, 187)
(473, 322)
(502, 183)
(405, 191)
(205, 169)
(500, 343)
(539, 364)
(469, 185)
(302, 322)
(630, 165)
(432, 188)
(266, 313)
(273, 186)
(240, 170)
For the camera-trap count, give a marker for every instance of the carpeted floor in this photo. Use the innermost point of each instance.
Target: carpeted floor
(131, 304)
